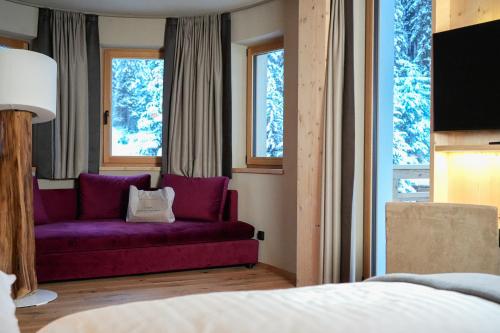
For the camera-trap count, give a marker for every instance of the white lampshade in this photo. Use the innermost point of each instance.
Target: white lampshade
(28, 82)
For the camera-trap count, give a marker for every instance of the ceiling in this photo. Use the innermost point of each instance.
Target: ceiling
(144, 8)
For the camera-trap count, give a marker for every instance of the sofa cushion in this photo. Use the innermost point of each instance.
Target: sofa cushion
(39, 213)
(106, 197)
(150, 206)
(82, 236)
(200, 199)
(61, 204)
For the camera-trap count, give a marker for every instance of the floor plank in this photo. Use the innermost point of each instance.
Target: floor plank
(75, 296)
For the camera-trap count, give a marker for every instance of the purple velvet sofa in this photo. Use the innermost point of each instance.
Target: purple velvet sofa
(71, 247)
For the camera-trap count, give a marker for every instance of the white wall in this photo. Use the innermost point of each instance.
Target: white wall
(268, 202)
(18, 21)
(131, 32)
(239, 74)
(259, 23)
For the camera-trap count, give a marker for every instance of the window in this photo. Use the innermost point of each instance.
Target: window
(265, 105)
(412, 99)
(402, 109)
(133, 95)
(13, 43)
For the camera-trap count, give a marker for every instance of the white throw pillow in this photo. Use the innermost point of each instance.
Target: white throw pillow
(8, 320)
(150, 206)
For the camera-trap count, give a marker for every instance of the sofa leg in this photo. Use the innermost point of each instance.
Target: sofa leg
(250, 266)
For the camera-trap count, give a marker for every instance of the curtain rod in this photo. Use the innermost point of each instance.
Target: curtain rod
(28, 4)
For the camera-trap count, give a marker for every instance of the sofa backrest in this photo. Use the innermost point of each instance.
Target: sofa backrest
(62, 205)
(231, 209)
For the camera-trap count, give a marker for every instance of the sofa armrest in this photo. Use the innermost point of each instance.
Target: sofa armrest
(231, 209)
(60, 204)
(429, 238)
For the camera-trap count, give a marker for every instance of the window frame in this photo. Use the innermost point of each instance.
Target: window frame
(108, 159)
(251, 160)
(14, 43)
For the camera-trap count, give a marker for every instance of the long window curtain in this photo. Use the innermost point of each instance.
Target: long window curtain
(227, 102)
(94, 88)
(43, 134)
(61, 148)
(168, 78)
(197, 140)
(339, 158)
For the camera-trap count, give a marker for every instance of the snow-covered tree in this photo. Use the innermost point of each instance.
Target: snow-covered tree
(137, 89)
(275, 103)
(412, 82)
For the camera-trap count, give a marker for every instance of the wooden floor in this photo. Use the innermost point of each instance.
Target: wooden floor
(75, 296)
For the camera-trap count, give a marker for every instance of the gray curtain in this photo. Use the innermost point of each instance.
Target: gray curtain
(61, 148)
(194, 145)
(71, 124)
(94, 91)
(338, 162)
(227, 101)
(168, 79)
(43, 134)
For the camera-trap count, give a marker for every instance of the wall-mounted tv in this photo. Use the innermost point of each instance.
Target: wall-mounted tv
(466, 78)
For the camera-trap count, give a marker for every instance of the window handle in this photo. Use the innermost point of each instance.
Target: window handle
(106, 116)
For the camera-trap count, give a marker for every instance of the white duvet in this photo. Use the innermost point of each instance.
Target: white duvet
(357, 307)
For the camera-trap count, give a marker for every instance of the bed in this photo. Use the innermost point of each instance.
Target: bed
(393, 303)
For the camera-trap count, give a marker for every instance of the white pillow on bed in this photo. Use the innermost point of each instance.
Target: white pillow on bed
(150, 206)
(8, 321)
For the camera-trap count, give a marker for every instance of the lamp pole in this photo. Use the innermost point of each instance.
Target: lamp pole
(28, 94)
(17, 242)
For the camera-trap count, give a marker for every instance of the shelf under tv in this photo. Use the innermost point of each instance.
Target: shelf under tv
(471, 148)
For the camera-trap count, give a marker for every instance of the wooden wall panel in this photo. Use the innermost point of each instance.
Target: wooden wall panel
(470, 177)
(461, 138)
(467, 12)
(369, 125)
(452, 14)
(314, 17)
(441, 14)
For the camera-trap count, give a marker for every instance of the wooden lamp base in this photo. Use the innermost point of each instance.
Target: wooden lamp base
(17, 242)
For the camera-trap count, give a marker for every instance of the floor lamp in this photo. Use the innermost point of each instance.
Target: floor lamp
(28, 93)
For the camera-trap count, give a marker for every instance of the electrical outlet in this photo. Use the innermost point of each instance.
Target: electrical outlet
(260, 235)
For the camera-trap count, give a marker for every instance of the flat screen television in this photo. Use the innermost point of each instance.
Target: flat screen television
(466, 78)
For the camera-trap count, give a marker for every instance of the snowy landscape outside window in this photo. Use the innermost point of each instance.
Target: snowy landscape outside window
(134, 95)
(402, 105)
(412, 99)
(266, 104)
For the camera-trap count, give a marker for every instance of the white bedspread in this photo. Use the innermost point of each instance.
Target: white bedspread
(358, 307)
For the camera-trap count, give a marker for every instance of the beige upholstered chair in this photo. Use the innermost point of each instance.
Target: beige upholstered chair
(439, 238)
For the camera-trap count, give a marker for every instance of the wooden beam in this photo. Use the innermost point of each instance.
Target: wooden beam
(13, 43)
(369, 124)
(17, 241)
(314, 19)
